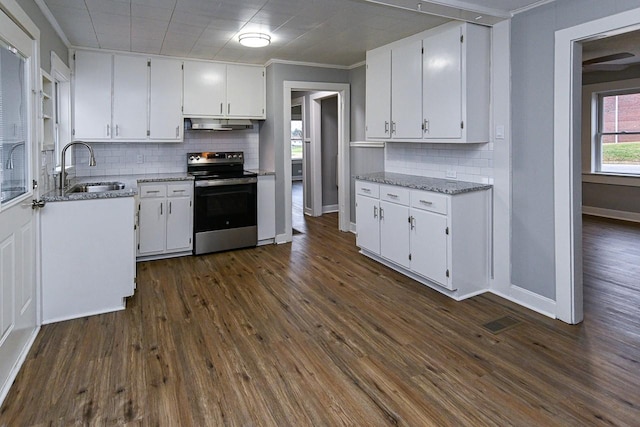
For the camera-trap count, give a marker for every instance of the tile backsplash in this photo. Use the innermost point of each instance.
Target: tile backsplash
(470, 162)
(129, 158)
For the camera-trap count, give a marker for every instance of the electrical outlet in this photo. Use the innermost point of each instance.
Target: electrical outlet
(140, 158)
(450, 174)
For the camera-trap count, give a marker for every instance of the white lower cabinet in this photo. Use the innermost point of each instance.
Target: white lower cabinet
(88, 261)
(266, 209)
(437, 239)
(165, 219)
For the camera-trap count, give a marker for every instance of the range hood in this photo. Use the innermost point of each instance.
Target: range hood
(219, 124)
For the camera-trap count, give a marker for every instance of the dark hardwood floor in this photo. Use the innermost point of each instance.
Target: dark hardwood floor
(314, 334)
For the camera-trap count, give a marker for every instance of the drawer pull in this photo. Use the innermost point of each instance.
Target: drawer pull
(152, 191)
(178, 191)
(426, 202)
(395, 196)
(366, 190)
(375, 212)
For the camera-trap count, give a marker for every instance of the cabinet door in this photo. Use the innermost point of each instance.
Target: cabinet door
(368, 224)
(429, 244)
(165, 99)
(406, 95)
(245, 91)
(442, 83)
(204, 89)
(130, 97)
(179, 229)
(152, 226)
(92, 107)
(378, 94)
(394, 233)
(266, 207)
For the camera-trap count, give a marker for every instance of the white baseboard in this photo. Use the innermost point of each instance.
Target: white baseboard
(282, 238)
(530, 300)
(86, 314)
(611, 213)
(16, 367)
(352, 227)
(330, 209)
(269, 241)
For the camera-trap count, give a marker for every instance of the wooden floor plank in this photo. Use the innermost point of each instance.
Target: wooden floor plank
(314, 334)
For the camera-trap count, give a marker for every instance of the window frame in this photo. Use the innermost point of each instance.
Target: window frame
(597, 149)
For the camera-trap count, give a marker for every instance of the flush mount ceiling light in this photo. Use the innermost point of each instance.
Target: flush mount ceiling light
(254, 39)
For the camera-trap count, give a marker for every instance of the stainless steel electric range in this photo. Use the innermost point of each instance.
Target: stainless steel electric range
(225, 203)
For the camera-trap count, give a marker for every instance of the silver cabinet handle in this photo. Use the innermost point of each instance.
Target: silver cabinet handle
(177, 131)
(161, 208)
(386, 127)
(229, 108)
(395, 196)
(393, 127)
(117, 130)
(169, 208)
(152, 191)
(375, 212)
(425, 126)
(381, 213)
(221, 108)
(426, 202)
(178, 191)
(366, 190)
(412, 221)
(108, 130)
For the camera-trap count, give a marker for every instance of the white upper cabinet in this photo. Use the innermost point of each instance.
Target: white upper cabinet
(204, 88)
(378, 94)
(223, 91)
(92, 106)
(406, 84)
(431, 87)
(130, 100)
(456, 86)
(245, 91)
(165, 100)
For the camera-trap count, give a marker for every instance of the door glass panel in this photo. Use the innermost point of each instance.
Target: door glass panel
(13, 123)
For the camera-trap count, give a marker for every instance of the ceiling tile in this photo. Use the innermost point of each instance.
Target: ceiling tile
(165, 4)
(116, 41)
(78, 4)
(146, 45)
(109, 6)
(149, 12)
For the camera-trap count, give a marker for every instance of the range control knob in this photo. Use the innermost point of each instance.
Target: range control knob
(191, 158)
(240, 155)
(197, 157)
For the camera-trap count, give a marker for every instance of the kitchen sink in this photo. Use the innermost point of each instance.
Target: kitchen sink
(96, 187)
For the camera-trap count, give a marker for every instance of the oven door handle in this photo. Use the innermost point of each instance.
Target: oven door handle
(221, 182)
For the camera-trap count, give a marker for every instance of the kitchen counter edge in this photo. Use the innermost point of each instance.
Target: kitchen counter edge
(437, 185)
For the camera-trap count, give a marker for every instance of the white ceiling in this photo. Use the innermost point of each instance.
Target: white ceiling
(337, 32)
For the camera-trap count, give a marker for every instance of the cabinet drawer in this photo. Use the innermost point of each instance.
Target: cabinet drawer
(153, 190)
(429, 201)
(369, 189)
(182, 189)
(394, 194)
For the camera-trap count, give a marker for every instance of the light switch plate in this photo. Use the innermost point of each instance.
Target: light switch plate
(500, 132)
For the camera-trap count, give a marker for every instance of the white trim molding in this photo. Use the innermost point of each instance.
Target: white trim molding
(530, 300)
(611, 213)
(567, 164)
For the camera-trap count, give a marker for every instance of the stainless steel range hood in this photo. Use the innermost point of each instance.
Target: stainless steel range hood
(219, 124)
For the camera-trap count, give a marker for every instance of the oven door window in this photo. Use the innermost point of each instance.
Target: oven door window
(223, 207)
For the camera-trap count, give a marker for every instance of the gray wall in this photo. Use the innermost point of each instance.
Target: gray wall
(532, 56)
(271, 132)
(329, 149)
(357, 79)
(49, 40)
(614, 197)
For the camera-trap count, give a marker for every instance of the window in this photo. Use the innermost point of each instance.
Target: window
(617, 145)
(296, 139)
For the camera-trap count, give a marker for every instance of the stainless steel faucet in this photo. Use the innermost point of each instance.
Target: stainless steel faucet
(9, 163)
(63, 172)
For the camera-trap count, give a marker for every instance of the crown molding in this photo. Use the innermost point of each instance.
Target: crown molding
(54, 23)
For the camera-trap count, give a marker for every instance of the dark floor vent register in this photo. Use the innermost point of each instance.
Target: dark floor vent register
(502, 324)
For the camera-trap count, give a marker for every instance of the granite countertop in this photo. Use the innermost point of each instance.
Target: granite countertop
(130, 189)
(437, 185)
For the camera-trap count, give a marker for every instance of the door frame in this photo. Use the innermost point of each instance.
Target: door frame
(344, 129)
(567, 160)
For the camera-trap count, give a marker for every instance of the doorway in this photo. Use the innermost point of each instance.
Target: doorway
(312, 171)
(567, 161)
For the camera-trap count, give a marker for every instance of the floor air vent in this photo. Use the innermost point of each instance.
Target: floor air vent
(502, 324)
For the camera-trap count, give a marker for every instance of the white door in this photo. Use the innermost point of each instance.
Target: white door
(204, 89)
(442, 83)
(394, 233)
(152, 226)
(378, 94)
(18, 300)
(406, 97)
(130, 97)
(368, 224)
(179, 229)
(429, 243)
(165, 99)
(245, 91)
(92, 107)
